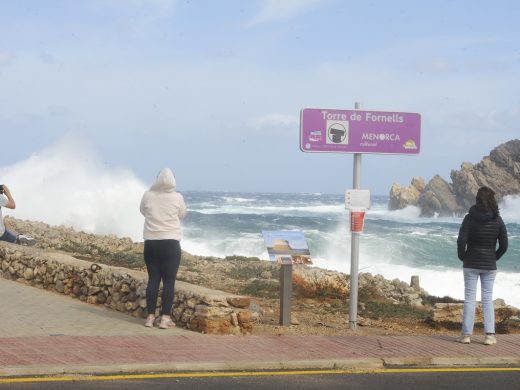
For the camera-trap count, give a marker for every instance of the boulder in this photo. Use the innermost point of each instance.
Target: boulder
(452, 312)
(438, 198)
(500, 171)
(402, 197)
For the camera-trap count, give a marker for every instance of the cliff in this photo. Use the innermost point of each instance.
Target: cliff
(500, 171)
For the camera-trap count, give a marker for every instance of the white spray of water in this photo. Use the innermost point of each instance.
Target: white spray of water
(440, 282)
(510, 208)
(246, 244)
(387, 260)
(67, 184)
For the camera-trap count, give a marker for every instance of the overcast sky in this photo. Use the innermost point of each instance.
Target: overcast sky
(213, 89)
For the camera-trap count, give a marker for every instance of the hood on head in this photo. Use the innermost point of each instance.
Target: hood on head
(165, 181)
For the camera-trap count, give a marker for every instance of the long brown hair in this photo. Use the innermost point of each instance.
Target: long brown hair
(486, 201)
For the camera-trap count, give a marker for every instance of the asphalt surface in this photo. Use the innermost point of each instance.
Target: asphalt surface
(414, 379)
(45, 333)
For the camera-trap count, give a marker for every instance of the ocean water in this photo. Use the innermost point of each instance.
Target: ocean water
(69, 184)
(395, 244)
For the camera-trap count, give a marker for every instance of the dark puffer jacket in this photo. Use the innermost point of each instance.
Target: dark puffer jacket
(478, 236)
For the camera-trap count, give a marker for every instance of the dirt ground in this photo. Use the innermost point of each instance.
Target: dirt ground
(321, 314)
(313, 316)
(310, 317)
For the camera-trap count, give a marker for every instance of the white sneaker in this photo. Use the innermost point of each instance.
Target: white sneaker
(166, 322)
(490, 340)
(464, 339)
(26, 240)
(149, 321)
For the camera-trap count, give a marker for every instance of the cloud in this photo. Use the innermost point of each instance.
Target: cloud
(6, 58)
(47, 58)
(133, 5)
(435, 66)
(135, 18)
(162, 5)
(272, 120)
(272, 10)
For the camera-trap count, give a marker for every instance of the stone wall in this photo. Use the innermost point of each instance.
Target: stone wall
(196, 308)
(323, 282)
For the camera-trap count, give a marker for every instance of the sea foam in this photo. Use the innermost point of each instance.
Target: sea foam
(68, 184)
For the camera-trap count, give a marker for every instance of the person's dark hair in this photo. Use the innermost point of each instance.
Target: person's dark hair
(486, 201)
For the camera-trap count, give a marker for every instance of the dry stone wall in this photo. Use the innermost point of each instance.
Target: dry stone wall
(197, 308)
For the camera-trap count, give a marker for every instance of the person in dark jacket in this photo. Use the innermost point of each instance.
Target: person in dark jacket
(479, 233)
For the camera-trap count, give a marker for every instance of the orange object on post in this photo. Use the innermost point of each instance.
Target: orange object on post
(357, 221)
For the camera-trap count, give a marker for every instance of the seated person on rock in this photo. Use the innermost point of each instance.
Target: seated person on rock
(7, 200)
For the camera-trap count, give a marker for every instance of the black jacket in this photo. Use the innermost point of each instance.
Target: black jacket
(477, 242)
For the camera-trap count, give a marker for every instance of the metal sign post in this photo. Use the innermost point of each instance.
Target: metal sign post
(285, 292)
(357, 131)
(354, 246)
(357, 201)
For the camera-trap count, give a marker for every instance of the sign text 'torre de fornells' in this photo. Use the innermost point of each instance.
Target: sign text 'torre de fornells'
(356, 131)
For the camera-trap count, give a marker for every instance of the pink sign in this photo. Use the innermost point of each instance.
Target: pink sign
(356, 131)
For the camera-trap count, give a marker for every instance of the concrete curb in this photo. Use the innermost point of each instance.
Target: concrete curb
(135, 368)
(335, 364)
(450, 361)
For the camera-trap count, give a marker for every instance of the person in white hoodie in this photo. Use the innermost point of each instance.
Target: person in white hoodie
(163, 209)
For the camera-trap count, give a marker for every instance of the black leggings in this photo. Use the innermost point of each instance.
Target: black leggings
(162, 258)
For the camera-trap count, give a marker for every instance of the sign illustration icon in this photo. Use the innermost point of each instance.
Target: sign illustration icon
(337, 132)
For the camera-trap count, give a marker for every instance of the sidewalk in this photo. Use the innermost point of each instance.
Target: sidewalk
(43, 333)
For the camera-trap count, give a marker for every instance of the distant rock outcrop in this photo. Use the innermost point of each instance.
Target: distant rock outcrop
(500, 171)
(438, 197)
(400, 197)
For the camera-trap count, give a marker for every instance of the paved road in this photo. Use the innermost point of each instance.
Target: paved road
(424, 380)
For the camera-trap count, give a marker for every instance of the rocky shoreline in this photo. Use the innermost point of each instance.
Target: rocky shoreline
(320, 297)
(500, 171)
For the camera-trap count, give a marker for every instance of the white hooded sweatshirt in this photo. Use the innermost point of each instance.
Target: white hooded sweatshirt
(163, 208)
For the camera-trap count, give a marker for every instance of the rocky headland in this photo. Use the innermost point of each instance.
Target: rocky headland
(320, 297)
(500, 171)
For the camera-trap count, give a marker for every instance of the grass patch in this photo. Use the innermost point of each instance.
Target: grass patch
(122, 259)
(432, 300)
(242, 258)
(243, 272)
(74, 247)
(190, 268)
(382, 310)
(261, 289)
(119, 259)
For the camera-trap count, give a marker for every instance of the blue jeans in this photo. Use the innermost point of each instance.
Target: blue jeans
(487, 279)
(8, 236)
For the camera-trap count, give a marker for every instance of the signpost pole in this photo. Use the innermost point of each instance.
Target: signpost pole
(285, 294)
(354, 246)
(358, 132)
